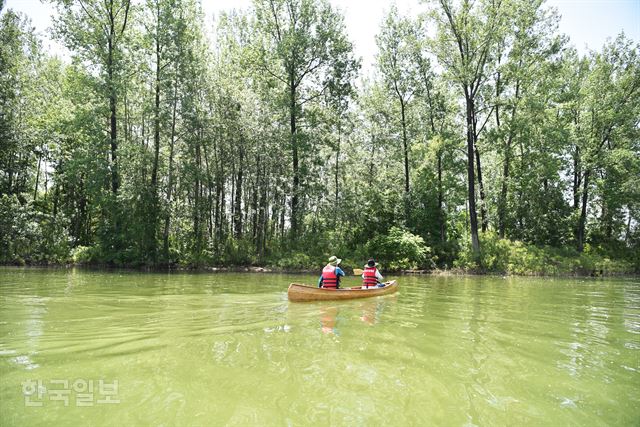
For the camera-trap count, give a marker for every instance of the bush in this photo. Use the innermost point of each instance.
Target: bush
(82, 255)
(516, 257)
(30, 236)
(296, 261)
(238, 252)
(400, 250)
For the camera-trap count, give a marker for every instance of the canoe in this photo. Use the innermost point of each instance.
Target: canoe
(298, 292)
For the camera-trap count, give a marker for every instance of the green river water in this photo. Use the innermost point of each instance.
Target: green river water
(127, 349)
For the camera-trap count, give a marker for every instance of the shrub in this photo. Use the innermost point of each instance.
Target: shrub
(82, 255)
(30, 236)
(399, 249)
(296, 260)
(516, 257)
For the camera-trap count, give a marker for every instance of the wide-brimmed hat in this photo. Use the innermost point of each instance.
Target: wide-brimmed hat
(371, 263)
(334, 260)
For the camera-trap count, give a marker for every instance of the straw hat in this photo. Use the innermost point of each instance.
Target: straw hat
(334, 260)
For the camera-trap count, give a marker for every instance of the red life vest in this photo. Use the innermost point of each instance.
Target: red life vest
(369, 277)
(329, 277)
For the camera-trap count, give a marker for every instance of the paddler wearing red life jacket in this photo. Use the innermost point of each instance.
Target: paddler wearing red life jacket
(331, 274)
(371, 277)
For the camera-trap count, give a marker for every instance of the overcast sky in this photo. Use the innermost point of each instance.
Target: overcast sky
(587, 22)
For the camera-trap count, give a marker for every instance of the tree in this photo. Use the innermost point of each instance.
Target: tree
(396, 45)
(301, 44)
(472, 30)
(607, 125)
(95, 30)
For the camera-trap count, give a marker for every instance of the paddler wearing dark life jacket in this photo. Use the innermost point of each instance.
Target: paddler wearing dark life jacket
(331, 274)
(371, 277)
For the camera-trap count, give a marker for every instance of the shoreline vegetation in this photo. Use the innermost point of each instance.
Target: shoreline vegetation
(482, 142)
(507, 258)
(578, 273)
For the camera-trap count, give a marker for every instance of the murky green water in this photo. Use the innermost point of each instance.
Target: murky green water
(229, 349)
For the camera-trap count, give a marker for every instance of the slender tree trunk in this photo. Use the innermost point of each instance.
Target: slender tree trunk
(443, 235)
(156, 112)
(580, 235)
(153, 214)
(282, 214)
(502, 202)
(115, 180)
(483, 208)
(35, 189)
(577, 177)
(627, 232)
(441, 215)
(262, 217)
(254, 202)
(473, 218)
(337, 170)
(210, 185)
(237, 210)
(405, 146)
(197, 190)
(167, 219)
(294, 152)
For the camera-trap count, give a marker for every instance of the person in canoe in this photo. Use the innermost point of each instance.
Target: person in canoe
(331, 274)
(371, 277)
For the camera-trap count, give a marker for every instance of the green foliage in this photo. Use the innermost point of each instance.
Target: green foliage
(515, 257)
(399, 249)
(30, 236)
(155, 148)
(297, 261)
(83, 255)
(238, 252)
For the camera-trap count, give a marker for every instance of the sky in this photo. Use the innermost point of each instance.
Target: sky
(588, 23)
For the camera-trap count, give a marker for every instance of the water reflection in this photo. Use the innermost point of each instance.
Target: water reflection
(328, 319)
(371, 310)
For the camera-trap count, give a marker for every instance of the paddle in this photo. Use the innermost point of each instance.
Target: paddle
(357, 271)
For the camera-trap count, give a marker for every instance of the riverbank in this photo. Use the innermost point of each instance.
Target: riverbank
(456, 271)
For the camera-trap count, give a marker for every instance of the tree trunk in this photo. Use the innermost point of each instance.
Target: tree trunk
(577, 175)
(237, 210)
(115, 180)
(483, 207)
(580, 234)
(473, 218)
(35, 190)
(443, 236)
(197, 189)
(405, 147)
(441, 216)
(337, 169)
(502, 202)
(167, 219)
(156, 112)
(294, 152)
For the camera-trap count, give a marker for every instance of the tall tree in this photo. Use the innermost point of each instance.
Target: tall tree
(608, 121)
(95, 30)
(472, 31)
(396, 45)
(302, 44)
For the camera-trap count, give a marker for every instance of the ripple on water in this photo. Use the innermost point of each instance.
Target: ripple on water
(189, 349)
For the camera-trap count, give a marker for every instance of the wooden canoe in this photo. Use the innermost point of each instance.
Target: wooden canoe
(298, 292)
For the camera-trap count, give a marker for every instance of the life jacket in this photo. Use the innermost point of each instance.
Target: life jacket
(329, 277)
(370, 279)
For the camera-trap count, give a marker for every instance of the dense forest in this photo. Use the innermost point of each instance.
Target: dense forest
(482, 140)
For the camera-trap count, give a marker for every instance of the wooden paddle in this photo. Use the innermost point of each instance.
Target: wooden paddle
(357, 271)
